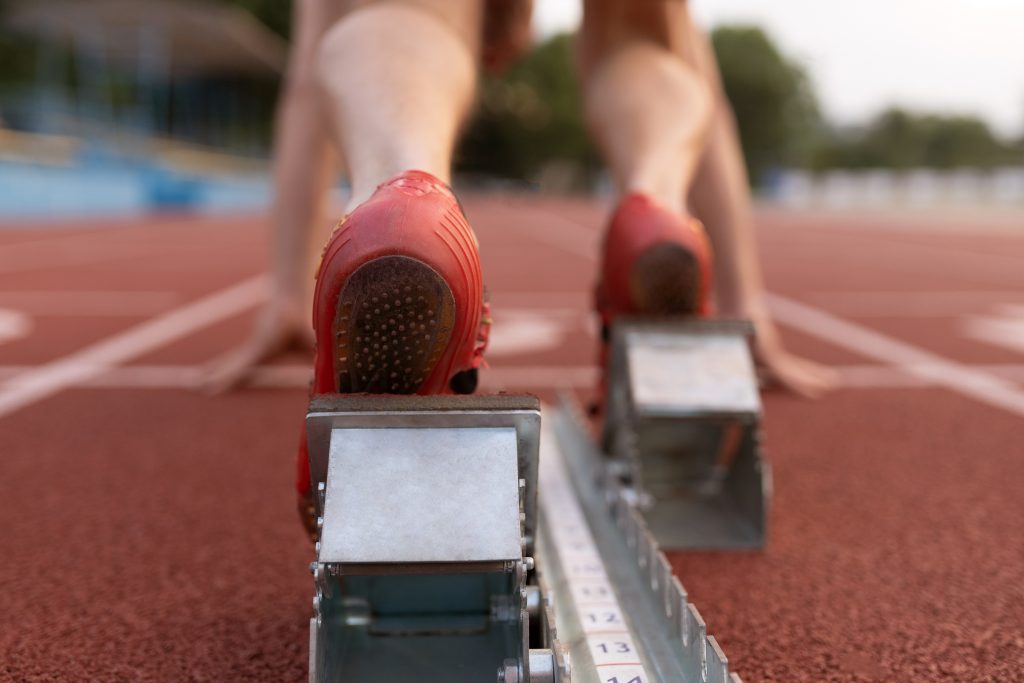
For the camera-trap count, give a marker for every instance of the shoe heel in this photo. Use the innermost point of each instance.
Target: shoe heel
(393, 323)
(665, 280)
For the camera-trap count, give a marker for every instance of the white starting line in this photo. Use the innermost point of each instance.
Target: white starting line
(86, 364)
(103, 364)
(979, 385)
(499, 378)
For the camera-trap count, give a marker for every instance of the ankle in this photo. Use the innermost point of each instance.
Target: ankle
(365, 185)
(661, 196)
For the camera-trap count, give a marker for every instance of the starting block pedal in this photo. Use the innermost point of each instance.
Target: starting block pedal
(682, 432)
(427, 509)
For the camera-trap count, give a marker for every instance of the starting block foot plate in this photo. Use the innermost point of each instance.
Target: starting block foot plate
(682, 431)
(427, 513)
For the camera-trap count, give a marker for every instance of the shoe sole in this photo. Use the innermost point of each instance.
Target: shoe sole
(664, 280)
(394, 320)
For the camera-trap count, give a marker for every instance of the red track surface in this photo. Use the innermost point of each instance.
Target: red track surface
(149, 532)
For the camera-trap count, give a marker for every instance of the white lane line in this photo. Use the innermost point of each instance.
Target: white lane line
(979, 385)
(880, 377)
(574, 238)
(94, 360)
(904, 304)
(579, 301)
(11, 262)
(69, 302)
(895, 377)
(605, 626)
(290, 376)
(124, 377)
(538, 376)
(518, 331)
(492, 380)
(1005, 327)
(13, 325)
(563, 233)
(910, 257)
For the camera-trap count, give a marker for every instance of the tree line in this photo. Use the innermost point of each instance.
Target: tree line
(528, 122)
(530, 118)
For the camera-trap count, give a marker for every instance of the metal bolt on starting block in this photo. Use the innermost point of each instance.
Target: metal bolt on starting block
(424, 568)
(682, 431)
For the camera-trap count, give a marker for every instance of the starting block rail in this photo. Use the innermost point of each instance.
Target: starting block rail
(624, 616)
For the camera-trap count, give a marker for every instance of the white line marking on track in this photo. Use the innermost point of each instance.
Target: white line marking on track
(578, 301)
(979, 385)
(290, 376)
(880, 377)
(534, 376)
(904, 304)
(69, 302)
(521, 331)
(912, 257)
(13, 325)
(893, 377)
(1005, 328)
(575, 238)
(563, 233)
(494, 379)
(12, 262)
(127, 377)
(92, 361)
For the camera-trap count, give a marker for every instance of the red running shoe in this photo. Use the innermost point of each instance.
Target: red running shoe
(399, 305)
(654, 262)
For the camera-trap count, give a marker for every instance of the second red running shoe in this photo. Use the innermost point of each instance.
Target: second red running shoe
(654, 262)
(399, 305)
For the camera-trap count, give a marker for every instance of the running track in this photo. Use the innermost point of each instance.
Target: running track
(148, 532)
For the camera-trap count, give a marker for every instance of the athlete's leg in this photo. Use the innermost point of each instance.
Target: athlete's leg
(647, 108)
(400, 79)
(720, 197)
(720, 194)
(398, 305)
(649, 111)
(305, 162)
(303, 167)
(640, 120)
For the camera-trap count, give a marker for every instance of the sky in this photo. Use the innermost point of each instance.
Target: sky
(951, 56)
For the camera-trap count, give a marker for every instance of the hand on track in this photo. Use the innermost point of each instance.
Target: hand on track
(280, 328)
(780, 369)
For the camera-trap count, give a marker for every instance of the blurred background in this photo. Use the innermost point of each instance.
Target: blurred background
(111, 106)
(148, 530)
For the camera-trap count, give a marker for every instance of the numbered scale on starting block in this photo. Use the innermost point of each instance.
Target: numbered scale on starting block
(682, 431)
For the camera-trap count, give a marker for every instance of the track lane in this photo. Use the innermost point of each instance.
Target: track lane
(888, 559)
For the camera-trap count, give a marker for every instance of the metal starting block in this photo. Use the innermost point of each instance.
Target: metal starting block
(682, 432)
(428, 513)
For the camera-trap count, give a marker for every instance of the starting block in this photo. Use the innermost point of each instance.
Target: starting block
(427, 515)
(682, 432)
(435, 565)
